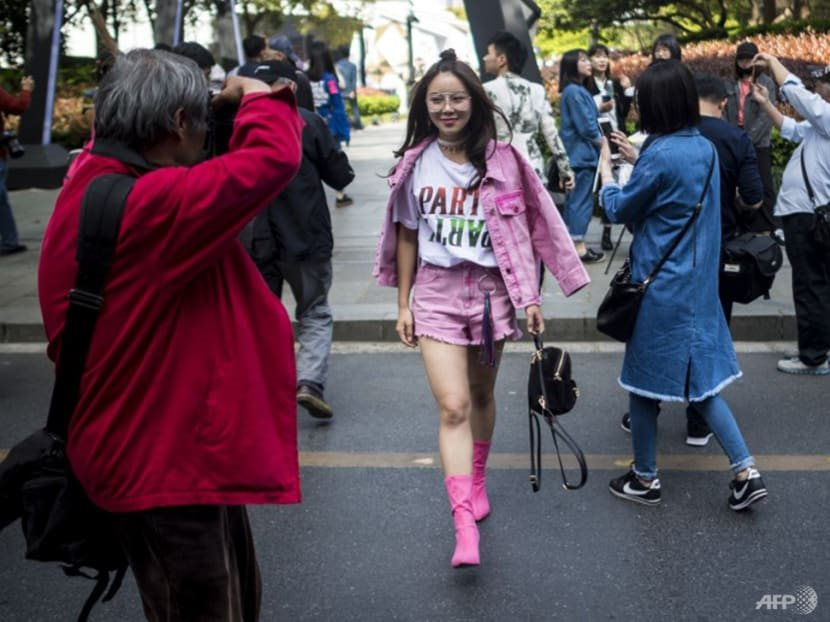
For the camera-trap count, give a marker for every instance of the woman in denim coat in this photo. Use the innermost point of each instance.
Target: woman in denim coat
(582, 138)
(681, 349)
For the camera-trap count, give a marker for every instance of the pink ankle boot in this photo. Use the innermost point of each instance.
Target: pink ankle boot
(481, 505)
(459, 490)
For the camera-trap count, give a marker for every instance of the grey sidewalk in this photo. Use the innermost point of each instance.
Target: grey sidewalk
(362, 310)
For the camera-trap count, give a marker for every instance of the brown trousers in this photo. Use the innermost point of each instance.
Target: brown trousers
(194, 563)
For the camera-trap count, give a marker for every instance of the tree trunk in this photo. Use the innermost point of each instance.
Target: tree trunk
(769, 11)
(38, 46)
(798, 7)
(165, 21)
(223, 37)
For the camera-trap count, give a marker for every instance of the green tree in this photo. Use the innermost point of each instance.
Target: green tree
(688, 16)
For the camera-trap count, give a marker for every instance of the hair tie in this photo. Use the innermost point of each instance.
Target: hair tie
(448, 55)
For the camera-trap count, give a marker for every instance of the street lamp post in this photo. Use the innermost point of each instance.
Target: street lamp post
(410, 19)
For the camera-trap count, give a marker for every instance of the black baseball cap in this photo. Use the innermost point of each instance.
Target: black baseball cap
(747, 49)
(269, 71)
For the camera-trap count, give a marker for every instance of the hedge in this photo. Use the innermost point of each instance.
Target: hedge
(371, 105)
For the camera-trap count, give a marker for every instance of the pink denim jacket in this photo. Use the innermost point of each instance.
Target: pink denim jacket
(523, 223)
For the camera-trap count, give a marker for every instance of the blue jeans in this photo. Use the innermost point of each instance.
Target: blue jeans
(8, 230)
(579, 206)
(715, 412)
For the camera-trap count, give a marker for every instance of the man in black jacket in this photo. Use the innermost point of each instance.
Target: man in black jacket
(292, 242)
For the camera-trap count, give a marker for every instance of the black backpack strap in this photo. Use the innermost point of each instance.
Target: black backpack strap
(557, 432)
(101, 211)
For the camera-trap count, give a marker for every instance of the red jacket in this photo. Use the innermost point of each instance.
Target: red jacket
(188, 396)
(9, 104)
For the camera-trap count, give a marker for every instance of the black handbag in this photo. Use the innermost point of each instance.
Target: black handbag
(748, 266)
(617, 313)
(551, 391)
(60, 523)
(821, 230)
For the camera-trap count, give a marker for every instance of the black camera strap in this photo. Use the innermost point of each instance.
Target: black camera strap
(101, 211)
(810, 192)
(557, 432)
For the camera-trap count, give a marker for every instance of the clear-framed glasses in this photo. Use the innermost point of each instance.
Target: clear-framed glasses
(457, 100)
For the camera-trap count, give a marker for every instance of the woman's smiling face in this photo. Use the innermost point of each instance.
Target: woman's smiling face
(448, 105)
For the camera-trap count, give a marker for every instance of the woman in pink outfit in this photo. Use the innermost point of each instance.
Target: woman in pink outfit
(468, 224)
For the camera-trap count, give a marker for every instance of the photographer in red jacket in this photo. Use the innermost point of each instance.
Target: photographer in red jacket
(181, 420)
(9, 104)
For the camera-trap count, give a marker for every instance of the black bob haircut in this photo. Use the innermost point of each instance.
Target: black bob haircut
(569, 69)
(195, 52)
(598, 47)
(669, 42)
(710, 88)
(667, 98)
(509, 45)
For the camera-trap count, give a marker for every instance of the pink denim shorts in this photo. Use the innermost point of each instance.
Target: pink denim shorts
(448, 304)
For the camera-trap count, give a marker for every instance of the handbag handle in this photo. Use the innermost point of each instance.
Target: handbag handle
(686, 227)
(556, 429)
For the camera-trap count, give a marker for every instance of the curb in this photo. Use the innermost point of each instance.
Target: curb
(744, 328)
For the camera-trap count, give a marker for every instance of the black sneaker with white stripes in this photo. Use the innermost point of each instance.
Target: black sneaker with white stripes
(629, 487)
(745, 493)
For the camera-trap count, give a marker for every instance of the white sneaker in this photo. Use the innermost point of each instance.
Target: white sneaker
(795, 366)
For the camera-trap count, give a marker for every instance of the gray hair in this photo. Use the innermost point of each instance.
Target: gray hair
(138, 98)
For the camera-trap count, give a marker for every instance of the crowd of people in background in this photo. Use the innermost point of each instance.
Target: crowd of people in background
(468, 231)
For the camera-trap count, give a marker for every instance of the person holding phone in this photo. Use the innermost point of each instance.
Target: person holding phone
(613, 104)
(746, 113)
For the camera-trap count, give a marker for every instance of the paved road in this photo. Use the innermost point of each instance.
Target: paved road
(373, 536)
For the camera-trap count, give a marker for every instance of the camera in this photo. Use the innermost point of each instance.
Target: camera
(12, 145)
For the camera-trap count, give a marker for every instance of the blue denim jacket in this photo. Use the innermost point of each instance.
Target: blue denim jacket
(681, 332)
(579, 127)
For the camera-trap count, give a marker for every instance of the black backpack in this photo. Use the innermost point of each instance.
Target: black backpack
(748, 266)
(60, 523)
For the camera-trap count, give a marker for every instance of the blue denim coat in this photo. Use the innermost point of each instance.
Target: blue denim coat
(681, 334)
(579, 128)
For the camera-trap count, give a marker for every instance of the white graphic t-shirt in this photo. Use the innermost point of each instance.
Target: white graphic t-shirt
(450, 223)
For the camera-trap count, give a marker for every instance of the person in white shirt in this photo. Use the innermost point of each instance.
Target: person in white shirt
(526, 106)
(805, 187)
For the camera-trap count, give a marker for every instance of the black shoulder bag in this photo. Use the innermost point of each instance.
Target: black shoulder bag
(617, 313)
(60, 523)
(821, 232)
(551, 391)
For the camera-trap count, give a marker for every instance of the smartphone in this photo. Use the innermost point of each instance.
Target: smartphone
(754, 77)
(606, 128)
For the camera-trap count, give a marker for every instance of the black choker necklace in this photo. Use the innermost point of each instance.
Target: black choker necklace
(451, 146)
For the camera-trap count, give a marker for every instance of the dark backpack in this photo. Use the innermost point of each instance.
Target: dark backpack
(60, 523)
(748, 266)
